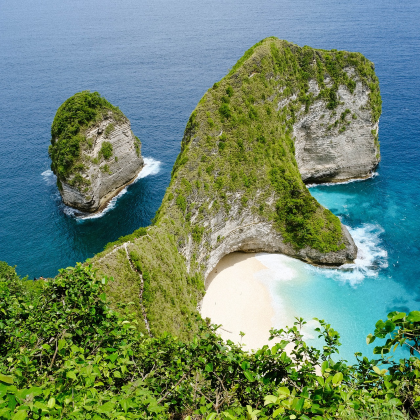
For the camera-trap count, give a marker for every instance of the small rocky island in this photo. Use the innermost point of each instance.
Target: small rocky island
(93, 151)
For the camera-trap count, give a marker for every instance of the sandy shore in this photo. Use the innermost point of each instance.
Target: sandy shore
(238, 301)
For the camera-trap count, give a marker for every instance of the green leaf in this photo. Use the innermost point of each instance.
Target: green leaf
(398, 316)
(20, 415)
(283, 390)
(297, 404)
(6, 379)
(61, 344)
(270, 399)
(209, 367)
(370, 339)
(248, 375)
(125, 404)
(413, 316)
(71, 374)
(338, 377)
(51, 402)
(211, 416)
(245, 365)
(389, 326)
(113, 357)
(377, 370)
(324, 366)
(395, 401)
(106, 408)
(278, 411)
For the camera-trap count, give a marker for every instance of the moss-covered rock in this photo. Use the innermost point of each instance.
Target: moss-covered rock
(93, 151)
(236, 184)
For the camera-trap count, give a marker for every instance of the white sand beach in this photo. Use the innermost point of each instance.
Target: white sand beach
(238, 301)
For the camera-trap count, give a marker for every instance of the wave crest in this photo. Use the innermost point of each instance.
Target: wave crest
(371, 256)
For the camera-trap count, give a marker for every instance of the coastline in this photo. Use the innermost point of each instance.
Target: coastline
(240, 302)
(105, 200)
(342, 181)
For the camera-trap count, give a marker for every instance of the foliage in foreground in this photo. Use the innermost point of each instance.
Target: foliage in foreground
(65, 354)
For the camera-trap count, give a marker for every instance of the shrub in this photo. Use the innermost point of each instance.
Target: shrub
(106, 150)
(225, 111)
(109, 129)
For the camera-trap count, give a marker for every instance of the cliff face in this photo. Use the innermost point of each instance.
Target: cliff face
(237, 186)
(340, 144)
(95, 161)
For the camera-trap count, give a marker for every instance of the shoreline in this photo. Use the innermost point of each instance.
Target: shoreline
(342, 181)
(237, 300)
(106, 199)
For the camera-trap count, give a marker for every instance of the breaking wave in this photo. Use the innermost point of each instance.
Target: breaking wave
(350, 181)
(151, 167)
(371, 257)
(49, 177)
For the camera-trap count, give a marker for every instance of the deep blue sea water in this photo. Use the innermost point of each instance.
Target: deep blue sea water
(155, 60)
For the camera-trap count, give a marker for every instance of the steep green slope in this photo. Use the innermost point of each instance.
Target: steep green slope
(236, 185)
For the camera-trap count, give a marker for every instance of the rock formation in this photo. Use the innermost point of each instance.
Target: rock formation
(94, 155)
(237, 185)
(340, 144)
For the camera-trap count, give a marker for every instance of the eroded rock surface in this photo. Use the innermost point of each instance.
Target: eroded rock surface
(333, 146)
(106, 176)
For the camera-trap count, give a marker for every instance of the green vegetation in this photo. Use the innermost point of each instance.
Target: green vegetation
(64, 353)
(109, 129)
(137, 145)
(70, 148)
(106, 149)
(256, 146)
(68, 129)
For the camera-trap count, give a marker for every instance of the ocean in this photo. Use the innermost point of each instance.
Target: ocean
(155, 60)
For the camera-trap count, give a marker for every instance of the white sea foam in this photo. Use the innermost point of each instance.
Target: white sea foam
(49, 177)
(372, 175)
(48, 173)
(151, 167)
(371, 257)
(280, 266)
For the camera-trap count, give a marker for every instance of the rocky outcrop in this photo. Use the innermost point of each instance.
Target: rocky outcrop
(338, 145)
(106, 175)
(93, 151)
(246, 232)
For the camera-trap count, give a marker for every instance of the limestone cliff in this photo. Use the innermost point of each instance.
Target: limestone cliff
(339, 144)
(94, 153)
(236, 184)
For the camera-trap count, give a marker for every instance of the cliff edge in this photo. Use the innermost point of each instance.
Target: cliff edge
(93, 151)
(236, 184)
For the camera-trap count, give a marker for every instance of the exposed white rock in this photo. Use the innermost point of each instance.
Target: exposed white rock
(107, 177)
(327, 151)
(245, 231)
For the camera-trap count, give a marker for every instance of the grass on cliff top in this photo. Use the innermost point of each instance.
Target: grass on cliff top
(72, 119)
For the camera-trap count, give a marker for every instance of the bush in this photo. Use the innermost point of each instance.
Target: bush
(106, 149)
(225, 111)
(73, 356)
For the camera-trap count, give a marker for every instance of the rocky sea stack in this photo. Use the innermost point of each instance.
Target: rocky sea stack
(93, 151)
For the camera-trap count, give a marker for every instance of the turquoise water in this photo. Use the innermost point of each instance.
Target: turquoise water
(155, 60)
